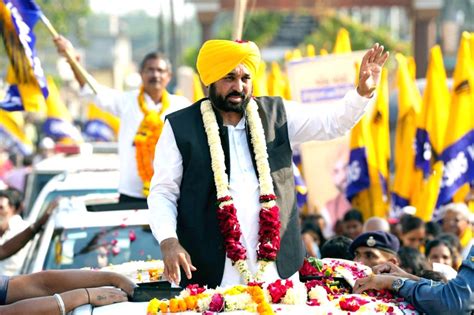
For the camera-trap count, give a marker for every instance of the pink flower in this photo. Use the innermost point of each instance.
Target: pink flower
(278, 289)
(132, 236)
(195, 289)
(351, 304)
(217, 303)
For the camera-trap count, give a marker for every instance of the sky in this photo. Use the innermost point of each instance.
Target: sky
(153, 7)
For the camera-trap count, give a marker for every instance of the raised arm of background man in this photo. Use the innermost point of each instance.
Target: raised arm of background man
(454, 297)
(33, 293)
(17, 242)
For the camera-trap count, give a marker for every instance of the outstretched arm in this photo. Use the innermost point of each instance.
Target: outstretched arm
(58, 281)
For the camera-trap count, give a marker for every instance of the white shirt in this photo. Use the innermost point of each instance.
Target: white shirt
(11, 265)
(305, 123)
(125, 106)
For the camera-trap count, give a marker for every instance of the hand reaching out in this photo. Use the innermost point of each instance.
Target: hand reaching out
(371, 70)
(174, 256)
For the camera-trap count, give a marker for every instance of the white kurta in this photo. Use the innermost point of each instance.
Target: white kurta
(125, 106)
(305, 123)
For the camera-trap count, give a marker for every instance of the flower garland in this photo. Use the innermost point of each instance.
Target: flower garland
(147, 136)
(269, 222)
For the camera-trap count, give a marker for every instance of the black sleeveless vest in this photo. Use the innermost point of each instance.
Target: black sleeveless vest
(197, 225)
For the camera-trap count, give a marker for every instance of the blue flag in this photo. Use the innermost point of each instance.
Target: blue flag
(16, 30)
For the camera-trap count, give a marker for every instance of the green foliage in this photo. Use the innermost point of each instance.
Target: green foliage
(362, 36)
(190, 56)
(259, 27)
(66, 16)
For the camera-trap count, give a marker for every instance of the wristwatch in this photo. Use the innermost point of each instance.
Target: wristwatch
(397, 284)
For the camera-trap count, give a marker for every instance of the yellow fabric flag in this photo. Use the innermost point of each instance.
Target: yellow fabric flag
(409, 107)
(323, 52)
(296, 55)
(458, 155)
(310, 50)
(343, 42)
(431, 128)
(198, 93)
(260, 81)
(58, 124)
(100, 125)
(358, 191)
(378, 163)
(275, 81)
(11, 126)
(32, 99)
(412, 67)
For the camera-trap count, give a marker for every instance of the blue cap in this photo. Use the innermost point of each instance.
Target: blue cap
(376, 239)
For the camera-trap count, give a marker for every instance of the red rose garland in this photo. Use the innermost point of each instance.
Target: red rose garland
(269, 221)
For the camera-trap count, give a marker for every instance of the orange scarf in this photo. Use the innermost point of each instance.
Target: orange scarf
(147, 136)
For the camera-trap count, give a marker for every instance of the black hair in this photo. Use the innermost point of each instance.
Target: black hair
(8, 196)
(412, 261)
(433, 228)
(16, 199)
(433, 275)
(309, 226)
(410, 223)
(337, 247)
(353, 214)
(452, 240)
(155, 55)
(435, 243)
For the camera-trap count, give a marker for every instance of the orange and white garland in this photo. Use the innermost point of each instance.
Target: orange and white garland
(147, 136)
(269, 230)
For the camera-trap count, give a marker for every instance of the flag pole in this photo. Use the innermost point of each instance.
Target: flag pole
(72, 61)
(239, 15)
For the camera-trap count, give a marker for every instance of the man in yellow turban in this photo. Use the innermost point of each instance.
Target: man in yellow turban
(222, 198)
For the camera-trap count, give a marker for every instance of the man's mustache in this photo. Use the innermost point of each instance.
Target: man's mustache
(153, 80)
(242, 95)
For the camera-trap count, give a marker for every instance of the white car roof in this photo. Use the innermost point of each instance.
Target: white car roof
(72, 213)
(59, 163)
(98, 179)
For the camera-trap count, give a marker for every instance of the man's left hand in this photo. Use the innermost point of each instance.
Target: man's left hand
(377, 282)
(371, 70)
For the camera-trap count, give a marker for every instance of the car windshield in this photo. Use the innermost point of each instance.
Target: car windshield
(97, 247)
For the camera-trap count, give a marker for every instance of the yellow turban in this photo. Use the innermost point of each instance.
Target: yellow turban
(218, 57)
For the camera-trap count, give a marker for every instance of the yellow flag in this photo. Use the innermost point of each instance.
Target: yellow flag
(358, 191)
(378, 163)
(260, 81)
(100, 125)
(412, 67)
(276, 81)
(409, 106)
(310, 50)
(343, 42)
(58, 124)
(11, 126)
(198, 93)
(458, 155)
(431, 128)
(296, 55)
(323, 52)
(32, 99)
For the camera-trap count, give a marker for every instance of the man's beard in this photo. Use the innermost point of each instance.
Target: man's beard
(222, 103)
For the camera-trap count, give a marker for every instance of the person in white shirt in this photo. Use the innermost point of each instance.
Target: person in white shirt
(131, 107)
(216, 153)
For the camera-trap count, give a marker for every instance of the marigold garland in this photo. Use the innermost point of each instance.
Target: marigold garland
(147, 136)
(269, 221)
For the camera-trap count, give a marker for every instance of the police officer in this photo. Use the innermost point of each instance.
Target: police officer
(375, 247)
(431, 297)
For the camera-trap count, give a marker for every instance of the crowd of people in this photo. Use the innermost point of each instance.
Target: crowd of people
(234, 150)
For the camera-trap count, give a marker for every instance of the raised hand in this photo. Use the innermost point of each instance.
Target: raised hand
(371, 70)
(174, 256)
